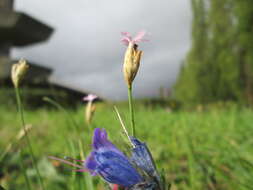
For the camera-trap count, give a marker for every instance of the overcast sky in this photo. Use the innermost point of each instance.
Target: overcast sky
(85, 50)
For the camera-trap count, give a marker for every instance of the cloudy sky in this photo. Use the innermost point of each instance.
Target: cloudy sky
(85, 50)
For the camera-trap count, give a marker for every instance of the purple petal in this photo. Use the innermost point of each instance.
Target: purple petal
(100, 139)
(116, 169)
(91, 164)
(142, 157)
(103, 134)
(101, 143)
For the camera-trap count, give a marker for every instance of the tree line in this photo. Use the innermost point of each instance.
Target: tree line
(219, 65)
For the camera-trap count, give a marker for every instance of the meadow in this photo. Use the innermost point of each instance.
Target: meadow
(200, 149)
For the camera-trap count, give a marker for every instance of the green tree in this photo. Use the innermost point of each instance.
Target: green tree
(196, 56)
(219, 64)
(244, 28)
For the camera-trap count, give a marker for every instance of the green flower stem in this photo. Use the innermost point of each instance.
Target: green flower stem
(131, 110)
(20, 110)
(7, 149)
(72, 121)
(24, 172)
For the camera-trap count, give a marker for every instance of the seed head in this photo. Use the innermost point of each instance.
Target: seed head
(131, 63)
(89, 112)
(90, 107)
(18, 72)
(132, 56)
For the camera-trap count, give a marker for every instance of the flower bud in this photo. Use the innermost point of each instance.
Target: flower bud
(131, 63)
(18, 72)
(89, 112)
(90, 107)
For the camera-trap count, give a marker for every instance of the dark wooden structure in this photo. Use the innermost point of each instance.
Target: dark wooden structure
(19, 29)
(36, 85)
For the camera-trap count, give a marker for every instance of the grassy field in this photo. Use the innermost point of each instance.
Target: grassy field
(205, 150)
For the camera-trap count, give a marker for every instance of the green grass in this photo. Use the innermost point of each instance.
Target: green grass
(198, 150)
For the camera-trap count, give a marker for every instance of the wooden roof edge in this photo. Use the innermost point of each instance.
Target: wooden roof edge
(60, 83)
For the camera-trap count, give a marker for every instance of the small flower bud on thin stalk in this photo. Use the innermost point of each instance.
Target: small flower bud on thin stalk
(131, 66)
(131, 63)
(89, 112)
(18, 72)
(90, 108)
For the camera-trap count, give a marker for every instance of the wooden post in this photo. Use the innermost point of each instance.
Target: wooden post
(5, 5)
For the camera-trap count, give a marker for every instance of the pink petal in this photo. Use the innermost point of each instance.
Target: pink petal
(139, 37)
(126, 39)
(90, 98)
(127, 34)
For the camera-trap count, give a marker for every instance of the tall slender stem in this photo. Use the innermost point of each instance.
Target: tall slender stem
(20, 110)
(24, 172)
(7, 149)
(131, 110)
(61, 108)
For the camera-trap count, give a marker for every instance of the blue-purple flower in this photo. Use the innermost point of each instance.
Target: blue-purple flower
(106, 160)
(142, 157)
(110, 163)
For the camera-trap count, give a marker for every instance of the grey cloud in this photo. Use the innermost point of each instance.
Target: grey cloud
(86, 52)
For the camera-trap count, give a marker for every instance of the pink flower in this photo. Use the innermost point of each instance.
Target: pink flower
(127, 38)
(90, 97)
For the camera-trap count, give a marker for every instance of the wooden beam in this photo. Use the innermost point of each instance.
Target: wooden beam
(5, 5)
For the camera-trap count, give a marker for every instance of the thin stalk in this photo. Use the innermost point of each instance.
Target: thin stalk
(87, 176)
(24, 172)
(131, 110)
(73, 174)
(20, 110)
(7, 149)
(68, 115)
(20, 163)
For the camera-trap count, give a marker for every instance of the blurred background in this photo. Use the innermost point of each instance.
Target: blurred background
(194, 88)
